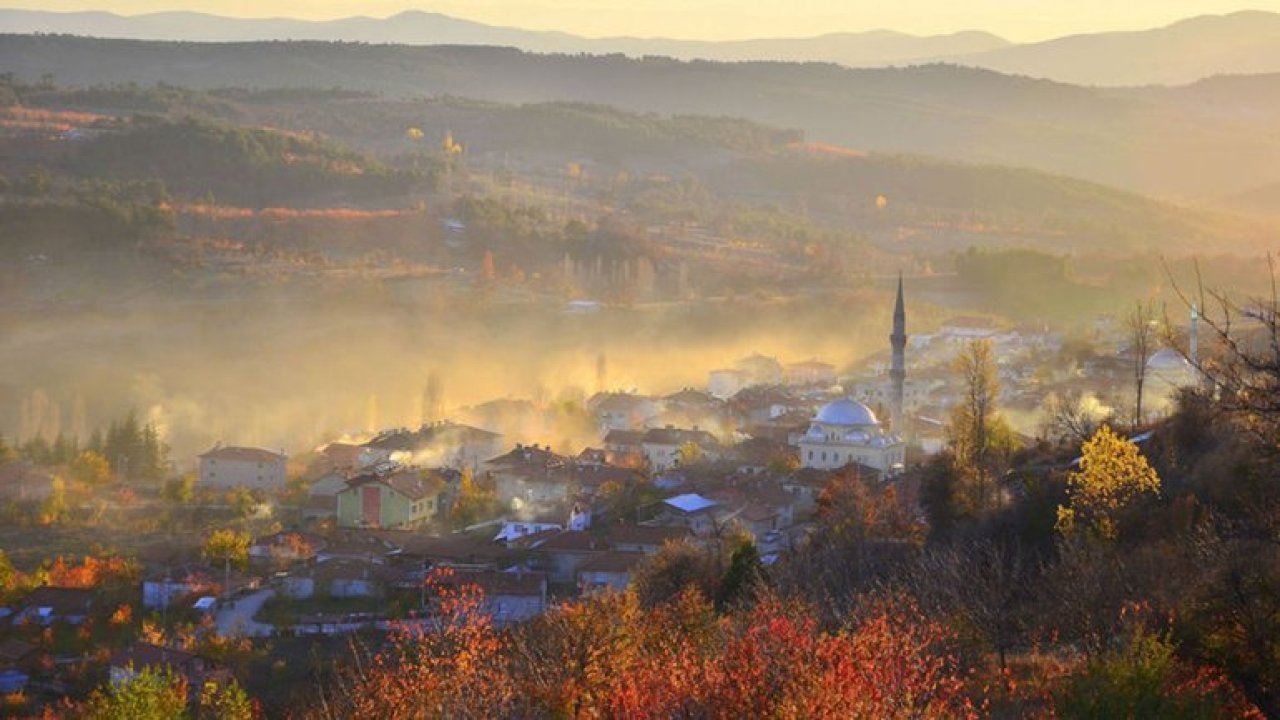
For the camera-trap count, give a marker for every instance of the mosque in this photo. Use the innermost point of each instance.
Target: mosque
(846, 431)
(1169, 371)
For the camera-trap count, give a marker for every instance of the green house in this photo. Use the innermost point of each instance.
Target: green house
(400, 499)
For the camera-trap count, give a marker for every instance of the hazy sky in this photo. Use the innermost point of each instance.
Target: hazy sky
(722, 19)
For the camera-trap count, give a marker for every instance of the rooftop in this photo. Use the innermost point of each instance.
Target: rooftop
(690, 503)
(243, 454)
(846, 411)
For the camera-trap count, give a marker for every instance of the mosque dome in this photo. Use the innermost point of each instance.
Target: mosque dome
(1167, 359)
(846, 411)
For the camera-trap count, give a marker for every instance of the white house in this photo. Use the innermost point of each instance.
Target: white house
(230, 467)
(661, 446)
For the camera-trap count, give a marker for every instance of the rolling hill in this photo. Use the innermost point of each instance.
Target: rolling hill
(1202, 141)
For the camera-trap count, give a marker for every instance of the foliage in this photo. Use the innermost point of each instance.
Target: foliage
(91, 468)
(1113, 474)
(1142, 678)
(677, 567)
(152, 694)
(608, 656)
(251, 167)
(980, 440)
(225, 702)
(451, 667)
(55, 510)
(225, 546)
(474, 503)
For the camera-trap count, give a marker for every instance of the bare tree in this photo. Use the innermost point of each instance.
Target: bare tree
(1243, 371)
(984, 584)
(1140, 324)
(1073, 416)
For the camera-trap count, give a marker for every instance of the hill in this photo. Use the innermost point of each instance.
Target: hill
(326, 148)
(1175, 142)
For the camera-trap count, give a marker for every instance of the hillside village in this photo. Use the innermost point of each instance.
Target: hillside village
(356, 380)
(350, 533)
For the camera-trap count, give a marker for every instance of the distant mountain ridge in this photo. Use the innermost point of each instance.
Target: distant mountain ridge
(1245, 42)
(875, 47)
(1240, 43)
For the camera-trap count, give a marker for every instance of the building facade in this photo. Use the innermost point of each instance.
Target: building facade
(231, 467)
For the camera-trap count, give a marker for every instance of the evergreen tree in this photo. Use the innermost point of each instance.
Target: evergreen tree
(37, 450)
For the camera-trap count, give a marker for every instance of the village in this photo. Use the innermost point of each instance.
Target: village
(347, 538)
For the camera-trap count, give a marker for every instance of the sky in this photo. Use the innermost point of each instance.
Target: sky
(1018, 20)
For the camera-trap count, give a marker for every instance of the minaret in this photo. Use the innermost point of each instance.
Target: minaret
(898, 370)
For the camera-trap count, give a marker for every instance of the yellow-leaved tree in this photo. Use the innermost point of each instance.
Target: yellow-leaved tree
(1113, 474)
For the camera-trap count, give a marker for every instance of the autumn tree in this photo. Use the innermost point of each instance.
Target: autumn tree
(152, 694)
(1113, 474)
(1141, 677)
(91, 468)
(679, 565)
(55, 509)
(690, 453)
(453, 666)
(225, 701)
(473, 503)
(227, 547)
(980, 440)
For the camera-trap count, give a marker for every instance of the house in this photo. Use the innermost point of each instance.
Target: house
(528, 474)
(647, 539)
(348, 579)
(231, 467)
(560, 554)
(763, 404)
(322, 496)
(622, 411)
(283, 548)
(624, 447)
(510, 597)
(691, 511)
(444, 443)
(725, 383)
(46, 605)
(662, 447)
(163, 589)
(810, 372)
(397, 498)
(516, 529)
(343, 457)
(418, 550)
(608, 571)
(759, 369)
(129, 662)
